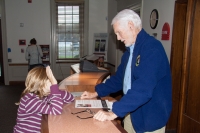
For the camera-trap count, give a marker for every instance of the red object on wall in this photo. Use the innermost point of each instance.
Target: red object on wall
(165, 32)
(29, 1)
(22, 42)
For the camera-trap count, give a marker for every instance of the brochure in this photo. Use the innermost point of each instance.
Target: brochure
(93, 104)
(76, 94)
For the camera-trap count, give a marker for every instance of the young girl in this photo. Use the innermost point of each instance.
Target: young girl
(41, 96)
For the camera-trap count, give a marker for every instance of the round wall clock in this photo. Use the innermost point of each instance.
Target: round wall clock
(154, 19)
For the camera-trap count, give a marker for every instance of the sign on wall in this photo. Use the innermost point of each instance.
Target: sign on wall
(165, 32)
(101, 45)
(22, 42)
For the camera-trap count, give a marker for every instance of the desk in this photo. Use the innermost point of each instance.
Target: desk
(69, 123)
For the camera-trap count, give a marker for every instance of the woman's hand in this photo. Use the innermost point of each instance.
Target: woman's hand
(50, 75)
(104, 116)
(89, 95)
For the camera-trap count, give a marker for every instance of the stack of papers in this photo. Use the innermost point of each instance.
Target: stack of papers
(93, 104)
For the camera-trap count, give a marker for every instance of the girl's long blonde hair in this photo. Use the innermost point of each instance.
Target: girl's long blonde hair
(35, 82)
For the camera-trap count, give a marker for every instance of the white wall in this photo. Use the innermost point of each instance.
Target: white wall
(112, 11)
(98, 10)
(36, 19)
(166, 14)
(121, 4)
(37, 24)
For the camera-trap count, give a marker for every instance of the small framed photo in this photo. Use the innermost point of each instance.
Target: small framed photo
(102, 45)
(97, 44)
(22, 42)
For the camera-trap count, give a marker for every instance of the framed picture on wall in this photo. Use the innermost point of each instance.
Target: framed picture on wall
(102, 45)
(97, 44)
(22, 42)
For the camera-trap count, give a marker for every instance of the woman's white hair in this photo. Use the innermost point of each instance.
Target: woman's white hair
(126, 15)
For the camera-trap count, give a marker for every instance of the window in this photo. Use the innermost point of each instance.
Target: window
(69, 29)
(136, 7)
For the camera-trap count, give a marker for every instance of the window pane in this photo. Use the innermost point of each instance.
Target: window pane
(68, 49)
(68, 10)
(75, 9)
(68, 27)
(61, 50)
(61, 9)
(75, 28)
(63, 47)
(75, 18)
(68, 18)
(76, 50)
(61, 28)
(68, 37)
(76, 37)
(76, 46)
(61, 37)
(68, 45)
(61, 19)
(75, 53)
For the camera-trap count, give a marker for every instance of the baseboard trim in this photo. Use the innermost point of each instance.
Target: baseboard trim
(17, 83)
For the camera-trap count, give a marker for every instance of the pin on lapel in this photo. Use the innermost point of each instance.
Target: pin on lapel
(138, 60)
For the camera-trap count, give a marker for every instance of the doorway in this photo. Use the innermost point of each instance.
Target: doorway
(1, 59)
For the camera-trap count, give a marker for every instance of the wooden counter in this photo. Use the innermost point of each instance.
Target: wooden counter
(85, 81)
(69, 123)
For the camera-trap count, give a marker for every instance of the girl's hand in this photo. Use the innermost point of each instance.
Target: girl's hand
(50, 75)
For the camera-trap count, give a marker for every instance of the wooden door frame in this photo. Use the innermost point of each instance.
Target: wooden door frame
(176, 62)
(4, 43)
(186, 59)
(1, 57)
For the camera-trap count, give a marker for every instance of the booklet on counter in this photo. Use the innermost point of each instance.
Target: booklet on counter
(93, 104)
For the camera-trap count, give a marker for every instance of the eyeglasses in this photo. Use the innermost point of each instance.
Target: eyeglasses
(88, 111)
